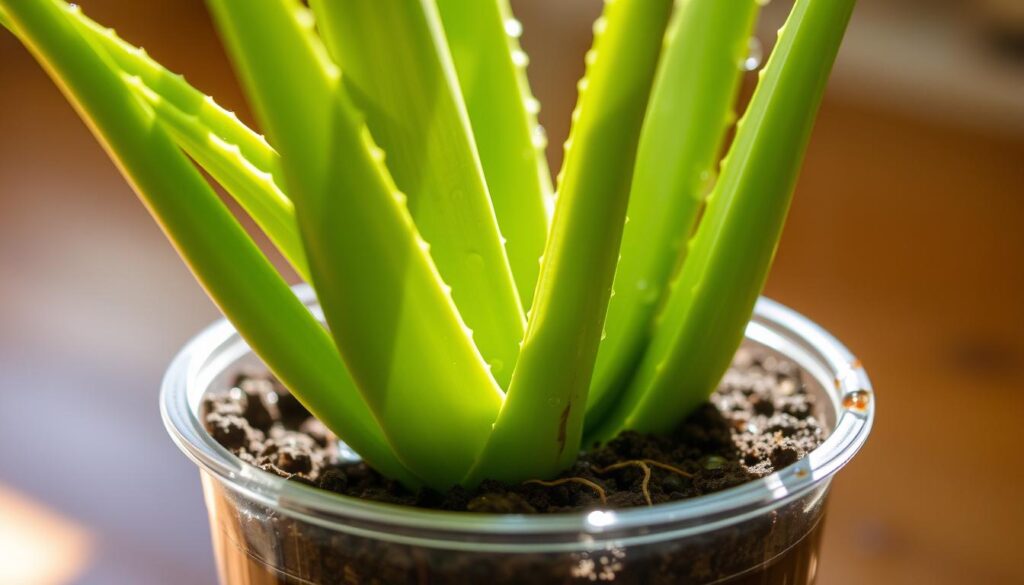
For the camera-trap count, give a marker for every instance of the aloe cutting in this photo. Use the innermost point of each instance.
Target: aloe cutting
(481, 320)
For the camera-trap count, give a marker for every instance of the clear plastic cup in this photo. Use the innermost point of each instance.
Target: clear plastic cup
(269, 530)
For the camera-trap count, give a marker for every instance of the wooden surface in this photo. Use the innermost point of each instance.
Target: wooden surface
(905, 241)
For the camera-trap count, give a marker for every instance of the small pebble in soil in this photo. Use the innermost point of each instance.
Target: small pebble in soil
(760, 419)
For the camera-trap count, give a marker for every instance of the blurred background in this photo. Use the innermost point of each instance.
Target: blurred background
(906, 240)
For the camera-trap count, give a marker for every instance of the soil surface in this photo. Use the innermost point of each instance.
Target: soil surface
(759, 420)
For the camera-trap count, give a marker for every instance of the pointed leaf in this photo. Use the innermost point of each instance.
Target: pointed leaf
(223, 258)
(238, 158)
(398, 70)
(538, 431)
(691, 104)
(484, 41)
(391, 315)
(714, 295)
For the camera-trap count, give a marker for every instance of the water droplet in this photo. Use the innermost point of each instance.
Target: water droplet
(377, 154)
(514, 28)
(424, 245)
(520, 59)
(764, 2)
(539, 136)
(755, 52)
(604, 334)
(858, 400)
(581, 85)
(600, 25)
(532, 105)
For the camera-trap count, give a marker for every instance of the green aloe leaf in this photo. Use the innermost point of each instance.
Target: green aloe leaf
(690, 110)
(398, 70)
(391, 315)
(538, 431)
(236, 157)
(222, 256)
(484, 40)
(714, 294)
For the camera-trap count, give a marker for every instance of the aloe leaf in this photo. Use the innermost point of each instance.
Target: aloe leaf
(252, 187)
(714, 295)
(174, 91)
(690, 110)
(398, 70)
(236, 157)
(221, 255)
(484, 40)
(538, 431)
(391, 315)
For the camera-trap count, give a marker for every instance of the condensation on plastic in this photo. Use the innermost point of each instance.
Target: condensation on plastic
(269, 530)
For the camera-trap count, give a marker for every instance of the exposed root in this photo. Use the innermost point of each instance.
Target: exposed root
(668, 467)
(600, 490)
(644, 485)
(645, 465)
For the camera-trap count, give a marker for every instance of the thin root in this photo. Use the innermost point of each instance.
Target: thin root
(645, 465)
(667, 467)
(644, 485)
(600, 490)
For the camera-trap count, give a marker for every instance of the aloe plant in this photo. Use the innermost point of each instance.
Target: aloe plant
(469, 334)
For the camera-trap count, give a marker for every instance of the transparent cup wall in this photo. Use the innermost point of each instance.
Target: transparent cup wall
(268, 530)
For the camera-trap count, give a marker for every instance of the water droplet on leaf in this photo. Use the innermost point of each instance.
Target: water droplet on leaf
(755, 52)
(513, 28)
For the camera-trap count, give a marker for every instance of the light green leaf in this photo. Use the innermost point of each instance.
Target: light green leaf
(538, 431)
(238, 158)
(224, 259)
(391, 315)
(398, 70)
(484, 40)
(691, 106)
(714, 295)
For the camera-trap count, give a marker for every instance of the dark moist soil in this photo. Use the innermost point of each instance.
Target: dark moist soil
(759, 420)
